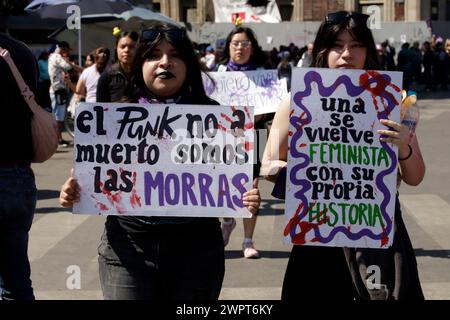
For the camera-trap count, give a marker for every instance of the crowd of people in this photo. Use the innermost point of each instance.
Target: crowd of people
(136, 254)
(427, 64)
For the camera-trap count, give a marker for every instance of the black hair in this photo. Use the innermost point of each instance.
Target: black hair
(258, 58)
(328, 33)
(133, 35)
(63, 45)
(193, 84)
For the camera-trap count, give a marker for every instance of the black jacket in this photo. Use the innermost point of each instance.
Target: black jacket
(111, 84)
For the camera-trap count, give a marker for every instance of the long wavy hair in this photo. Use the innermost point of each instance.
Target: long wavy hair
(327, 36)
(258, 58)
(193, 84)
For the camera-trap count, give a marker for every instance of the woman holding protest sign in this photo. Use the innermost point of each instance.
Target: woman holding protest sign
(172, 258)
(243, 53)
(344, 41)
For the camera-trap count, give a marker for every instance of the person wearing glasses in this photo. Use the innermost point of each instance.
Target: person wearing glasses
(344, 41)
(158, 258)
(243, 53)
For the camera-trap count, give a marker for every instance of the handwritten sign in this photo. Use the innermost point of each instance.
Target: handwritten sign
(163, 160)
(341, 179)
(259, 88)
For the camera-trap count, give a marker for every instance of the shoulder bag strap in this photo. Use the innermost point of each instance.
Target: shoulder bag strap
(27, 94)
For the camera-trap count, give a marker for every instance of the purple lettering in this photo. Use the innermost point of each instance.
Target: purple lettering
(156, 183)
(204, 182)
(236, 181)
(188, 181)
(224, 190)
(176, 189)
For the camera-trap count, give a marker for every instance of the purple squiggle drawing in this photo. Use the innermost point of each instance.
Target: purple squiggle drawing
(352, 91)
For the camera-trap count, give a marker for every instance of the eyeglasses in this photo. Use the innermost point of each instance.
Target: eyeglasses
(341, 16)
(150, 35)
(243, 43)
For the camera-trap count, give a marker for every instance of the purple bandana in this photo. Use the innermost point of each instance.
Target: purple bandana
(231, 66)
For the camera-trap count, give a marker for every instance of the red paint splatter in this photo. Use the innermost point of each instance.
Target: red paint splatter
(385, 239)
(99, 205)
(380, 87)
(334, 182)
(221, 127)
(248, 146)
(102, 207)
(135, 200)
(302, 145)
(227, 118)
(305, 226)
(114, 199)
(291, 113)
(290, 133)
(248, 125)
(106, 109)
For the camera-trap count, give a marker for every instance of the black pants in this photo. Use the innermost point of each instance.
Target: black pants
(17, 205)
(166, 262)
(317, 273)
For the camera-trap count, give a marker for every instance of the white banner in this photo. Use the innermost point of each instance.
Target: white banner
(163, 160)
(259, 88)
(341, 180)
(230, 10)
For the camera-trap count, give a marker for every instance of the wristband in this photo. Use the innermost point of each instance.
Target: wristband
(409, 154)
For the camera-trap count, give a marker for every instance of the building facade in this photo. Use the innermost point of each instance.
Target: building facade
(200, 11)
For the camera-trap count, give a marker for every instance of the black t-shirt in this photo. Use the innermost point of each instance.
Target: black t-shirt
(111, 84)
(15, 119)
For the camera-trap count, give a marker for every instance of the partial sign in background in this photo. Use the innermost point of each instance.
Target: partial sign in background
(163, 160)
(259, 88)
(341, 185)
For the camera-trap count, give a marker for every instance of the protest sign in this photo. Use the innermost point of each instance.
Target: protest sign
(258, 88)
(341, 180)
(163, 160)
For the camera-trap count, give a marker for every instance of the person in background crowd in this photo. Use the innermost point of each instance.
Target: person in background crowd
(284, 68)
(43, 87)
(404, 64)
(416, 65)
(306, 59)
(112, 83)
(243, 53)
(427, 63)
(273, 58)
(58, 65)
(210, 58)
(440, 62)
(89, 60)
(381, 57)
(295, 54)
(389, 52)
(87, 83)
